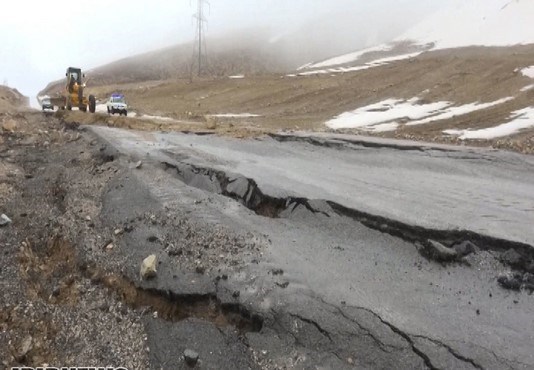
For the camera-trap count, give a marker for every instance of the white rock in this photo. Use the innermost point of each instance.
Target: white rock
(148, 267)
(4, 220)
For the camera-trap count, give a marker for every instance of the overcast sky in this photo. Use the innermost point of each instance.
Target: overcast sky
(39, 39)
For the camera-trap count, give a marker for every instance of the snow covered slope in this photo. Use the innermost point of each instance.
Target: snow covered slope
(458, 23)
(477, 22)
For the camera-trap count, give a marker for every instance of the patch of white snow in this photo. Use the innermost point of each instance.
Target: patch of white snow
(451, 112)
(349, 58)
(529, 72)
(521, 119)
(374, 63)
(385, 112)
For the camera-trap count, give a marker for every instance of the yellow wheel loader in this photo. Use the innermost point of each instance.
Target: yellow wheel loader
(74, 90)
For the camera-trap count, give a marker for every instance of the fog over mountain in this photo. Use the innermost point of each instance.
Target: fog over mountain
(40, 39)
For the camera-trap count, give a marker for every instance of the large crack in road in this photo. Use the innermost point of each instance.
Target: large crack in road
(353, 281)
(254, 276)
(247, 192)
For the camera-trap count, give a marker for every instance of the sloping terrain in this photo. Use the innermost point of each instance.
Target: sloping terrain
(466, 78)
(227, 56)
(472, 84)
(11, 99)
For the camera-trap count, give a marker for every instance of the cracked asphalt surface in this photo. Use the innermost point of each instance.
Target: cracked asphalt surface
(270, 254)
(437, 187)
(331, 292)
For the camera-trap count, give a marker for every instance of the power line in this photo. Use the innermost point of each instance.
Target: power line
(200, 54)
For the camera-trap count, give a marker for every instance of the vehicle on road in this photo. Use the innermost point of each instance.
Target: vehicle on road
(46, 104)
(117, 104)
(74, 93)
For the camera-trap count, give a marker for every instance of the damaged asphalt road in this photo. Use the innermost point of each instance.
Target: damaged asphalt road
(342, 222)
(267, 257)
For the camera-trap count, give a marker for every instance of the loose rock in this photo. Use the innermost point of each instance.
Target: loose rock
(148, 267)
(528, 282)
(4, 220)
(56, 291)
(512, 258)
(211, 123)
(26, 347)
(9, 126)
(191, 357)
(437, 251)
(465, 248)
(510, 281)
(138, 165)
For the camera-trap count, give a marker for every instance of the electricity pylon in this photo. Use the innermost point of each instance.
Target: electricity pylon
(200, 53)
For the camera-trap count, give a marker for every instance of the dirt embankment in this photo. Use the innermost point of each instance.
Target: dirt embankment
(53, 309)
(11, 99)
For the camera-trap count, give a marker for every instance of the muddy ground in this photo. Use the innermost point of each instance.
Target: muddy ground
(271, 286)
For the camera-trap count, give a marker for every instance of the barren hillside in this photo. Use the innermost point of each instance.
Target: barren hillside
(430, 83)
(226, 57)
(11, 99)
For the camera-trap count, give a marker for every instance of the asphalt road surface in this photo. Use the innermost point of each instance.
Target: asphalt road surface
(341, 283)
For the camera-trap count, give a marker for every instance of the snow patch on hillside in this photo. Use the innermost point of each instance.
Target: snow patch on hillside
(388, 114)
(529, 72)
(347, 58)
(385, 112)
(374, 63)
(521, 119)
(459, 23)
(477, 23)
(451, 112)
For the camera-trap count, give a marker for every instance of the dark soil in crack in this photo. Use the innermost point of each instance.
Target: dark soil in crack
(54, 273)
(242, 189)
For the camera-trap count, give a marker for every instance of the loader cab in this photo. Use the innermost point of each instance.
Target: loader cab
(74, 76)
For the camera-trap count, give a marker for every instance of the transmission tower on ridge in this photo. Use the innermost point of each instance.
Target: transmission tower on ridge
(200, 54)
